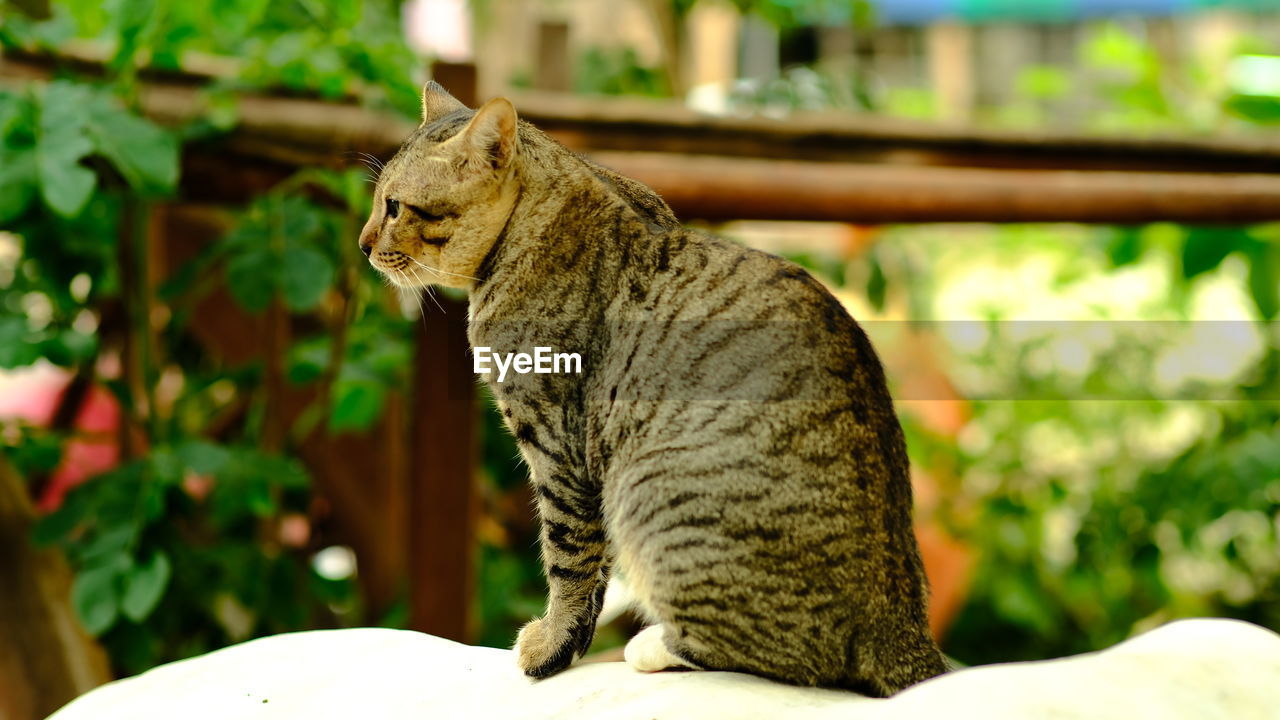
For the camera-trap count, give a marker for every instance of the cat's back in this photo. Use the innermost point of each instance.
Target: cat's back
(715, 317)
(740, 365)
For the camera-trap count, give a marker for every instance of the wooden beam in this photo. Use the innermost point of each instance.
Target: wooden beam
(852, 167)
(719, 188)
(646, 125)
(307, 131)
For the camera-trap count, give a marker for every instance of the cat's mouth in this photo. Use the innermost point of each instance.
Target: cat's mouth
(401, 269)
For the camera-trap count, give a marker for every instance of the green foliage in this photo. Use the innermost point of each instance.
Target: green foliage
(787, 14)
(618, 72)
(46, 136)
(168, 541)
(183, 548)
(1093, 519)
(1260, 109)
(331, 48)
(378, 354)
(277, 248)
(1099, 498)
(1044, 82)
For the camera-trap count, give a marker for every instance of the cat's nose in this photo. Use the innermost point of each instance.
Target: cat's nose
(368, 237)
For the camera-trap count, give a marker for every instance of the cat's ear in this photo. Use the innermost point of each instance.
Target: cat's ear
(437, 102)
(490, 139)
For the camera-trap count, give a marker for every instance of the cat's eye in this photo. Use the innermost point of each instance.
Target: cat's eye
(393, 208)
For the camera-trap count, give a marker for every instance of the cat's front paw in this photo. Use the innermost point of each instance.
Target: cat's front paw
(542, 651)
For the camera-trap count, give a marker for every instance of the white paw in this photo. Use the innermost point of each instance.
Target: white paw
(648, 653)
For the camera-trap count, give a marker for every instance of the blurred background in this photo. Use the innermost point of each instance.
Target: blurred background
(1059, 221)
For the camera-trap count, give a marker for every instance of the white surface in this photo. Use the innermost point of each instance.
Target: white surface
(1201, 669)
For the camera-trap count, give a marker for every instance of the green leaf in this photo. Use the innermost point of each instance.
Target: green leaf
(109, 543)
(249, 234)
(36, 452)
(1113, 47)
(163, 467)
(298, 219)
(1264, 278)
(308, 359)
(12, 108)
(1261, 109)
(17, 182)
(134, 21)
(282, 471)
(95, 595)
(69, 348)
(61, 523)
(64, 183)
(16, 348)
(144, 585)
(1044, 82)
(251, 279)
(259, 499)
(145, 154)
(344, 13)
(305, 277)
(204, 458)
(1205, 248)
(1124, 246)
(877, 285)
(357, 405)
(233, 19)
(49, 34)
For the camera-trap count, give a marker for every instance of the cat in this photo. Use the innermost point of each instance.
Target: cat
(730, 445)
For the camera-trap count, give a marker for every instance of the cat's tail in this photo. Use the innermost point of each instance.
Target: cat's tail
(884, 664)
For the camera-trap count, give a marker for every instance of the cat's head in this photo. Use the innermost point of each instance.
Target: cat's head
(442, 201)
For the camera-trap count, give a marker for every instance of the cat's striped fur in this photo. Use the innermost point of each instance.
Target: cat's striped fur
(730, 447)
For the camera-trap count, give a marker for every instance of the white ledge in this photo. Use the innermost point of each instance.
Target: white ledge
(1201, 669)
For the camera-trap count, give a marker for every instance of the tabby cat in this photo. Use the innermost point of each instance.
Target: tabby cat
(729, 447)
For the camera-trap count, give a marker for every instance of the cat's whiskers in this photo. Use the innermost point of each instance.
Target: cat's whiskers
(417, 296)
(438, 271)
(371, 160)
(429, 291)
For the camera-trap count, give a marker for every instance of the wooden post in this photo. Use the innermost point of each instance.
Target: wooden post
(458, 78)
(553, 68)
(442, 497)
(46, 659)
(713, 29)
(950, 47)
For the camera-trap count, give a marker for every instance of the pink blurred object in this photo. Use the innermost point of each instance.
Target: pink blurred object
(32, 395)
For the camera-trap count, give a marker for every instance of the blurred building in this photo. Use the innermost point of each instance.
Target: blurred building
(968, 54)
